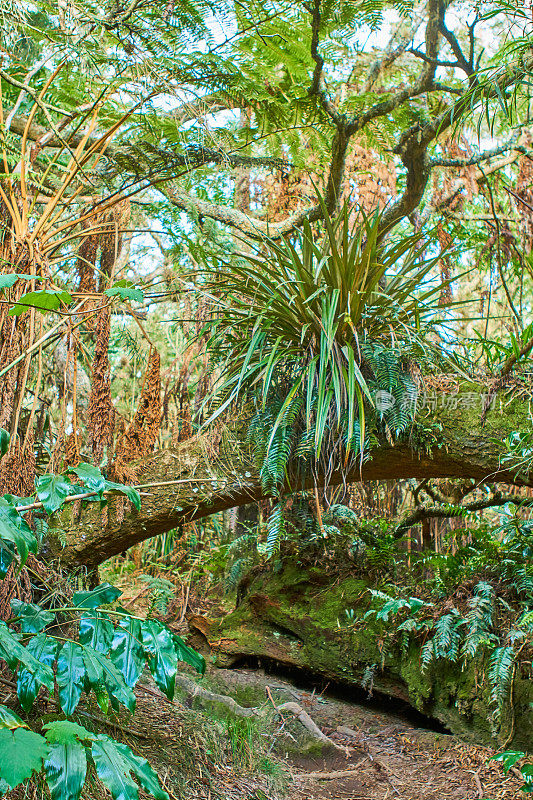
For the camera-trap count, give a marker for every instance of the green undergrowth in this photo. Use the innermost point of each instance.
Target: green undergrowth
(451, 631)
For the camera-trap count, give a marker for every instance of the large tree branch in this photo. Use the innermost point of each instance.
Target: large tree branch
(195, 479)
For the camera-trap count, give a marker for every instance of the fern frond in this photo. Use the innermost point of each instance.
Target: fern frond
(501, 673)
(275, 528)
(479, 620)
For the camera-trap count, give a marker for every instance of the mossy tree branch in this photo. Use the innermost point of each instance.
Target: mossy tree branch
(445, 442)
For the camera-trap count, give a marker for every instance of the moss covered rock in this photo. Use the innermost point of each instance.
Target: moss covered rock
(297, 618)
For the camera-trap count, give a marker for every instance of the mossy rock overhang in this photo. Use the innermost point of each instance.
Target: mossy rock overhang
(296, 619)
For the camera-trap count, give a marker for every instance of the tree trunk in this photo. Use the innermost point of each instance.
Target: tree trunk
(198, 477)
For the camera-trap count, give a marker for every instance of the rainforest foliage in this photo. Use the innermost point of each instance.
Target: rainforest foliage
(294, 235)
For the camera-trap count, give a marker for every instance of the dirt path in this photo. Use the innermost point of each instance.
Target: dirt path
(379, 755)
(386, 755)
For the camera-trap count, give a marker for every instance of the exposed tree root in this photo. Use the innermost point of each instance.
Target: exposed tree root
(310, 726)
(193, 690)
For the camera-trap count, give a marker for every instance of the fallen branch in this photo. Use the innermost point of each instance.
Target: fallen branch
(310, 726)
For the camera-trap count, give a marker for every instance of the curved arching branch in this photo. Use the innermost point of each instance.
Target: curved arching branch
(196, 479)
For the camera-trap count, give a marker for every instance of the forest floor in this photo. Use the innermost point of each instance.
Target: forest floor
(386, 756)
(203, 752)
(204, 755)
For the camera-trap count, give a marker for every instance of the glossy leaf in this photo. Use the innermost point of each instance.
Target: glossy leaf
(126, 650)
(91, 477)
(8, 719)
(32, 618)
(70, 676)
(97, 631)
(21, 754)
(188, 655)
(66, 765)
(7, 554)
(4, 441)
(121, 488)
(162, 659)
(100, 670)
(105, 593)
(44, 649)
(52, 491)
(114, 765)
(508, 758)
(13, 528)
(14, 653)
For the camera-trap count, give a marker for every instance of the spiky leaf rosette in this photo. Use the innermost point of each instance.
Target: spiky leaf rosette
(303, 316)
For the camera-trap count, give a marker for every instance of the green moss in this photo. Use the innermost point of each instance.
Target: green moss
(294, 617)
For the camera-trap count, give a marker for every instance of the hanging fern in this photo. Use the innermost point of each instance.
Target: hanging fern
(275, 528)
(479, 620)
(235, 573)
(446, 641)
(501, 672)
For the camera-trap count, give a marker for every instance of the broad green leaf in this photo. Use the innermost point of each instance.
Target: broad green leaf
(188, 655)
(126, 650)
(7, 554)
(66, 765)
(114, 764)
(14, 529)
(70, 676)
(32, 618)
(508, 758)
(105, 593)
(121, 488)
(52, 490)
(126, 291)
(102, 672)
(8, 719)
(13, 652)
(21, 753)
(4, 441)
(94, 677)
(7, 281)
(162, 659)
(90, 477)
(44, 300)
(61, 730)
(97, 631)
(44, 649)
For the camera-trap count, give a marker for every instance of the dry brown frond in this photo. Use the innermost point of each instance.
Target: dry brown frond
(101, 414)
(141, 434)
(18, 468)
